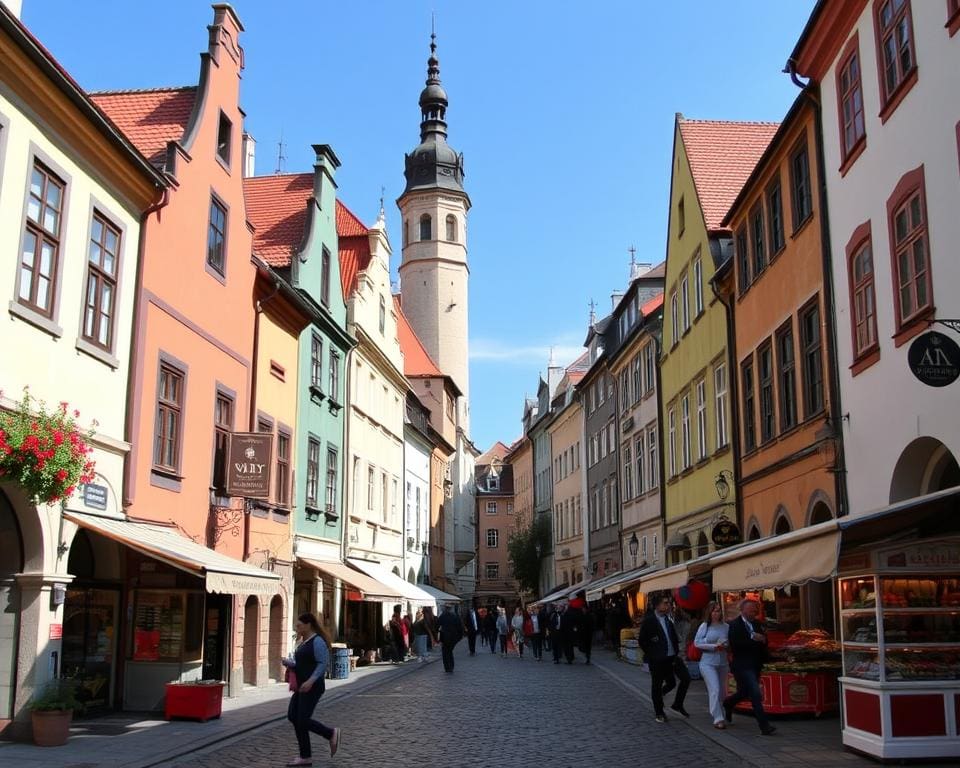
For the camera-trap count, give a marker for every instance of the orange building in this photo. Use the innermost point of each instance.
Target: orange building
(496, 523)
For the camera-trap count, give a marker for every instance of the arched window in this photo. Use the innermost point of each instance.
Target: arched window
(452, 228)
(425, 233)
(703, 547)
(406, 232)
(754, 533)
(782, 526)
(821, 513)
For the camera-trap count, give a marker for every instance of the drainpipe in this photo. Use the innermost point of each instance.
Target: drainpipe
(829, 315)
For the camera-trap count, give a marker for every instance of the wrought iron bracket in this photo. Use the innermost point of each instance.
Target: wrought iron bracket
(952, 323)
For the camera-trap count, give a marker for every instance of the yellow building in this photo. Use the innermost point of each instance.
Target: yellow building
(711, 161)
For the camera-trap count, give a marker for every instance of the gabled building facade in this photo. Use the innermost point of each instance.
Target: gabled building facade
(496, 523)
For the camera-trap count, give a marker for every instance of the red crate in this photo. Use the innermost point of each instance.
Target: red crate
(199, 701)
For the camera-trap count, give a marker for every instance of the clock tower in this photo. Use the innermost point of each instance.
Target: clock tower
(433, 267)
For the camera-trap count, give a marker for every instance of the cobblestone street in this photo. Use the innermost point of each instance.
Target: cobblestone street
(491, 711)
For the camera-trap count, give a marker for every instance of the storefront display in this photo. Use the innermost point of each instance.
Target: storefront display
(900, 626)
(89, 646)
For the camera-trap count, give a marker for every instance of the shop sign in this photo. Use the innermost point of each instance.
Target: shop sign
(248, 465)
(56, 632)
(725, 533)
(923, 556)
(934, 359)
(95, 496)
(242, 584)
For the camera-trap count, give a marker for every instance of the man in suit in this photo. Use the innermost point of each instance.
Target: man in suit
(661, 648)
(472, 622)
(450, 630)
(748, 644)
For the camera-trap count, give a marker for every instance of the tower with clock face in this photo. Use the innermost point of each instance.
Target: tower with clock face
(433, 268)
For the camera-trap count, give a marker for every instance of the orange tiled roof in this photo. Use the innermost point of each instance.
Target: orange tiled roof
(348, 225)
(277, 208)
(722, 154)
(416, 360)
(354, 248)
(149, 118)
(652, 306)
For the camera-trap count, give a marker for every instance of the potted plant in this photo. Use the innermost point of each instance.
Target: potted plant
(52, 712)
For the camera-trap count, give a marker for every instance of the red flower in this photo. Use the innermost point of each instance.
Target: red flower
(61, 475)
(57, 437)
(68, 490)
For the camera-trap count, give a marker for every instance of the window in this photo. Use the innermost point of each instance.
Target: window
(637, 384)
(701, 419)
(493, 538)
(509, 507)
(775, 212)
(222, 426)
(371, 487)
(283, 468)
(643, 547)
(331, 499)
(492, 570)
(601, 391)
(451, 228)
(743, 261)
(896, 56)
(224, 131)
(674, 318)
(383, 315)
(911, 258)
(166, 451)
(656, 547)
(612, 503)
(624, 390)
(332, 393)
(325, 277)
(316, 361)
(788, 378)
(863, 299)
(216, 236)
(491, 507)
(720, 402)
(681, 217)
(406, 232)
(765, 376)
(493, 483)
(41, 241)
(604, 504)
(800, 193)
(698, 284)
(812, 359)
(638, 454)
(685, 432)
(313, 472)
(627, 472)
(650, 366)
(749, 416)
(102, 262)
(672, 441)
(759, 240)
(685, 300)
(425, 233)
(850, 95)
(394, 496)
(385, 503)
(653, 459)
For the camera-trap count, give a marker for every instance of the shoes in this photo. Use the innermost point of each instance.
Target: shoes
(661, 718)
(768, 731)
(679, 708)
(728, 712)
(721, 726)
(300, 761)
(334, 742)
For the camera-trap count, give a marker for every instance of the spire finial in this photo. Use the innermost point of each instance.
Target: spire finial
(551, 362)
(433, 33)
(633, 255)
(593, 313)
(383, 190)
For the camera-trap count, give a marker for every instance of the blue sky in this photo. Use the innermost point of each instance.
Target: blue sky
(564, 112)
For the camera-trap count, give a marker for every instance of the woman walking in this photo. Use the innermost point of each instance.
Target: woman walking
(516, 623)
(711, 639)
(503, 629)
(308, 665)
(420, 637)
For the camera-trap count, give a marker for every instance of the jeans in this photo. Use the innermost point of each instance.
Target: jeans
(492, 639)
(536, 642)
(300, 712)
(748, 687)
(420, 645)
(503, 644)
(664, 674)
(715, 678)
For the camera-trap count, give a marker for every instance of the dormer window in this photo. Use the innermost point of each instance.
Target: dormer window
(452, 228)
(493, 483)
(425, 228)
(224, 135)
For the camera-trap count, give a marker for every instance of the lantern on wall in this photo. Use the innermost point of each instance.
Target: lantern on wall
(693, 596)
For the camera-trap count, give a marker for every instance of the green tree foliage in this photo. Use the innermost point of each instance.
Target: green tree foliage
(522, 550)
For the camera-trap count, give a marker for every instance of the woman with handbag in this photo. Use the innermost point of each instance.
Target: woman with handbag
(711, 641)
(305, 675)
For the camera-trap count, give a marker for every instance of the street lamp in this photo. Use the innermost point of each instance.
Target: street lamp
(634, 546)
(722, 484)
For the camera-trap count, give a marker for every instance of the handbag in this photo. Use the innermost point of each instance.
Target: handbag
(291, 678)
(693, 653)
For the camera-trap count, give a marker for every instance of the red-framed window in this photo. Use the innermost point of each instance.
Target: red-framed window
(853, 132)
(910, 252)
(863, 300)
(896, 52)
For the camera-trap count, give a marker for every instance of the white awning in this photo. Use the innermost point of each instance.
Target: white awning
(368, 587)
(666, 579)
(611, 585)
(221, 573)
(409, 591)
(439, 595)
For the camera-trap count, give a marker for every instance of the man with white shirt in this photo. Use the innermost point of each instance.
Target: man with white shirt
(661, 646)
(748, 644)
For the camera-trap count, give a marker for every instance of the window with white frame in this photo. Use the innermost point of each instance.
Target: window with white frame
(627, 472)
(624, 390)
(491, 507)
(638, 456)
(493, 538)
(685, 432)
(643, 547)
(653, 459)
(720, 402)
(698, 284)
(674, 318)
(650, 366)
(672, 441)
(637, 385)
(701, 419)
(656, 548)
(492, 570)
(685, 301)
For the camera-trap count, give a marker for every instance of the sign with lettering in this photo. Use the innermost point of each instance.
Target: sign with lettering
(725, 533)
(248, 465)
(934, 359)
(95, 496)
(939, 555)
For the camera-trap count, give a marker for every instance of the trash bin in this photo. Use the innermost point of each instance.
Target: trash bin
(341, 662)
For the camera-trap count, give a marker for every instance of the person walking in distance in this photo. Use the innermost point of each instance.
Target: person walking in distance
(450, 630)
(516, 624)
(308, 665)
(472, 623)
(555, 622)
(420, 636)
(661, 646)
(490, 628)
(503, 629)
(395, 628)
(533, 629)
(748, 644)
(711, 639)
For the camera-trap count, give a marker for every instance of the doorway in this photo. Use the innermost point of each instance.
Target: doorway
(90, 646)
(275, 645)
(216, 636)
(251, 639)
(11, 563)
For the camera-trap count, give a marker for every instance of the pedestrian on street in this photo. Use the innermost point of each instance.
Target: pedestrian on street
(450, 630)
(569, 628)
(308, 665)
(472, 622)
(748, 644)
(420, 637)
(395, 629)
(407, 629)
(661, 647)
(712, 640)
(503, 629)
(533, 630)
(585, 627)
(516, 624)
(490, 628)
(554, 632)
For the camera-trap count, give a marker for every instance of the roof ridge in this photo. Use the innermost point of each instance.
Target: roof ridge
(277, 175)
(704, 121)
(347, 210)
(161, 89)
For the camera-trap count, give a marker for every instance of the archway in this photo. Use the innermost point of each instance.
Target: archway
(782, 525)
(251, 632)
(11, 563)
(925, 466)
(703, 546)
(819, 508)
(275, 649)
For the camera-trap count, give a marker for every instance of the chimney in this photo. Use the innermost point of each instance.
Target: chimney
(638, 270)
(615, 299)
(325, 165)
(248, 149)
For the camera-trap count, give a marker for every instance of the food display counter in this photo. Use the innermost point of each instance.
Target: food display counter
(900, 632)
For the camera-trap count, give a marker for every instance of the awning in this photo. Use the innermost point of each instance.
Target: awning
(807, 554)
(220, 572)
(611, 585)
(408, 591)
(439, 595)
(367, 587)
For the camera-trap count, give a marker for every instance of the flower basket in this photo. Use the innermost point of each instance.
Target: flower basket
(52, 712)
(44, 451)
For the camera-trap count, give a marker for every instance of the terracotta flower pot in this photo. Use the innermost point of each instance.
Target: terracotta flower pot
(51, 728)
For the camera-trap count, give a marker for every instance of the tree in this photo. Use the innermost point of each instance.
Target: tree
(522, 550)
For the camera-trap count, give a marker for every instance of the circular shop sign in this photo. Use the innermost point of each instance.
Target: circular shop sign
(934, 359)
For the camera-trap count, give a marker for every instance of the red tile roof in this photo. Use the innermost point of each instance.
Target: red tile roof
(652, 306)
(722, 155)
(149, 118)
(348, 225)
(277, 208)
(496, 451)
(416, 360)
(354, 248)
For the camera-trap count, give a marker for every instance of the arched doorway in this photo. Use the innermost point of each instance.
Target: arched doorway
(275, 649)
(11, 563)
(251, 636)
(925, 466)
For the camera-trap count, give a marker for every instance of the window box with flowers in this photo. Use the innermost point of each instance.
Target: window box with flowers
(44, 451)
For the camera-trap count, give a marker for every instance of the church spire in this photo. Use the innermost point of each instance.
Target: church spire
(433, 99)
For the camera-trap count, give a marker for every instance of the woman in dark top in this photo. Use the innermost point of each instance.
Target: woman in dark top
(308, 664)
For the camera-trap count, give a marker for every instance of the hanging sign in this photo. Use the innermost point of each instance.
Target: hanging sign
(934, 359)
(725, 533)
(248, 465)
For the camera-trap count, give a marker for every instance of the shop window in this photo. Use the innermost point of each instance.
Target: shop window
(168, 625)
